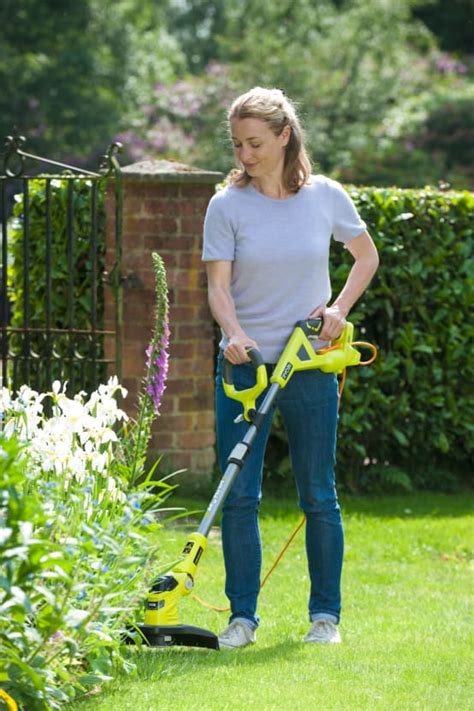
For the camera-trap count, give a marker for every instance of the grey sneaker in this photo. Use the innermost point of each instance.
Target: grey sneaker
(237, 634)
(324, 632)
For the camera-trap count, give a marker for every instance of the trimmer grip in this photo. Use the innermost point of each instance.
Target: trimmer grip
(255, 357)
(248, 396)
(311, 327)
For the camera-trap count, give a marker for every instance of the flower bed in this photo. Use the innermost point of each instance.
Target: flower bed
(75, 512)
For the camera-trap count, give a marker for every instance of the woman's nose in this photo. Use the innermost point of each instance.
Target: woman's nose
(244, 153)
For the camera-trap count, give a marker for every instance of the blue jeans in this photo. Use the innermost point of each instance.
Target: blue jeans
(308, 405)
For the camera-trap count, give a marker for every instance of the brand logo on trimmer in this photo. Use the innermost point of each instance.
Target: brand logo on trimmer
(287, 370)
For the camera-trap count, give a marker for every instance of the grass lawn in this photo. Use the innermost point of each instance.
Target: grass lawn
(406, 624)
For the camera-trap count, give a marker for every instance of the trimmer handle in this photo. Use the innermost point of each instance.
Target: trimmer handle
(311, 327)
(247, 396)
(255, 357)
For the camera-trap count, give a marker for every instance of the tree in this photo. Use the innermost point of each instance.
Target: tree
(72, 71)
(451, 22)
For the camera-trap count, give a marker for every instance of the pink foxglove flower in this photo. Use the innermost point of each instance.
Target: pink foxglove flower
(157, 367)
(157, 351)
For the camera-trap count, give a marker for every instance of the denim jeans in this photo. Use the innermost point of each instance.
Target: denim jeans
(308, 405)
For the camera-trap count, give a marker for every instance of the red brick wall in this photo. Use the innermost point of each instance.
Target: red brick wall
(163, 210)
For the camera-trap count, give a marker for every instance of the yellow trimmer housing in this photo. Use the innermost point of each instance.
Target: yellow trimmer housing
(299, 354)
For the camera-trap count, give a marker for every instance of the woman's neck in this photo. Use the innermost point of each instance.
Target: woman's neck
(271, 187)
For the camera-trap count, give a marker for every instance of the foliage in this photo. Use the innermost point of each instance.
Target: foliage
(71, 75)
(412, 411)
(186, 120)
(74, 544)
(72, 556)
(345, 67)
(428, 138)
(450, 22)
(351, 68)
(148, 71)
(81, 314)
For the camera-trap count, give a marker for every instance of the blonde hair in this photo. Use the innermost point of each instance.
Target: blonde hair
(273, 107)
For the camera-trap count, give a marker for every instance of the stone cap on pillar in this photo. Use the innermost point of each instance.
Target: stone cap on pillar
(170, 171)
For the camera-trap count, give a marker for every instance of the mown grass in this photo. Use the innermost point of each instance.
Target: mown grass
(406, 626)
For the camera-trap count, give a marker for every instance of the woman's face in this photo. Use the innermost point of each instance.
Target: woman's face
(257, 148)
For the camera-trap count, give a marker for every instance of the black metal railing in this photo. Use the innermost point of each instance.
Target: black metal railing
(53, 278)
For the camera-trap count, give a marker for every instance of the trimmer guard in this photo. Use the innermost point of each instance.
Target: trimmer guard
(175, 635)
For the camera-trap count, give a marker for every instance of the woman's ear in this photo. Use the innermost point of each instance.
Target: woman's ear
(285, 135)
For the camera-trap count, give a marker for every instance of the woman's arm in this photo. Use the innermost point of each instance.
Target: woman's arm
(366, 261)
(223, 309)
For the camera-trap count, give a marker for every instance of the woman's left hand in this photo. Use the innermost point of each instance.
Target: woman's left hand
(333, 321)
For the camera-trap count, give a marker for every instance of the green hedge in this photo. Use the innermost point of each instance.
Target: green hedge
(407, 420)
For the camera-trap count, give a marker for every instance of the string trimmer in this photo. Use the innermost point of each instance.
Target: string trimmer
(161, 627)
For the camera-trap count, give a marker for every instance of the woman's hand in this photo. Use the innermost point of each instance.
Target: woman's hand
(236, 351)
(333, 321)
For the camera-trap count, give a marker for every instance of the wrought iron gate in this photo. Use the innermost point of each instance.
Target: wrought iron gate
(53, 281)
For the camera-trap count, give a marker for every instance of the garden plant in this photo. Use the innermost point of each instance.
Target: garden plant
(76, 510)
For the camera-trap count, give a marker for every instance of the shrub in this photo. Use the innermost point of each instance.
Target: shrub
(429, 138)
(72, 568)
(75, 512)
(412, 411)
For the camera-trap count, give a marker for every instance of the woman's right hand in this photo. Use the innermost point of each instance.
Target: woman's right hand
(236, 350)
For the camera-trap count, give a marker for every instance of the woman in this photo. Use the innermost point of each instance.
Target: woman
(266, 245)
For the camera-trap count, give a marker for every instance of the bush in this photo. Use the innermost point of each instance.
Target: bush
(407, 420)
(73, 550)
(75, 512)
(428, 138)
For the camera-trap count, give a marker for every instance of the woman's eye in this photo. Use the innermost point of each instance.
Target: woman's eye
(255, 145)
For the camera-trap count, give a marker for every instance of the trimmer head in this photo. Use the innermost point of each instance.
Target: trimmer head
(175, 635)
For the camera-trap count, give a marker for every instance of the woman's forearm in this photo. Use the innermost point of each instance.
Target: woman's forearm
(223, 310)
(365, 265)
(357, 282)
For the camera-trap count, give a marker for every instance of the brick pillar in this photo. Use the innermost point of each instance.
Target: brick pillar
(164, 204)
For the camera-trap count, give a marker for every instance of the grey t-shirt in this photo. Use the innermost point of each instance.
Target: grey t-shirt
(280, 253)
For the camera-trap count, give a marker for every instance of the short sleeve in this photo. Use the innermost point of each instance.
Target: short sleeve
(219, 237)
(347, 222)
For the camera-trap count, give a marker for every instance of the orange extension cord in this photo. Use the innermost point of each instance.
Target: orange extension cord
(302, 521)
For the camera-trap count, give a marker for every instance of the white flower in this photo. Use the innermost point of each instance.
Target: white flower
(77, 466)
(75, 617)
(98, 461)
(5, 399)
(57, 387)
(26, 531)
(77, 443)
(74, 413)
(105, 435)
(5, 534)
